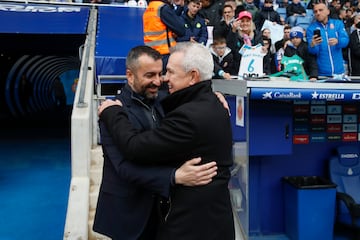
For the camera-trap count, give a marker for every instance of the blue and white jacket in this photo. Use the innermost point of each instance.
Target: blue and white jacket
(329, 58)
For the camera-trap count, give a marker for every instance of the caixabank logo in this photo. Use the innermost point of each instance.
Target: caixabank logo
(285, 95)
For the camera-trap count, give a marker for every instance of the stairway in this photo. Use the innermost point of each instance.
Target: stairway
(96, 165)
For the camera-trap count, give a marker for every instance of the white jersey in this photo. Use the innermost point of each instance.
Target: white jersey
(251, 64)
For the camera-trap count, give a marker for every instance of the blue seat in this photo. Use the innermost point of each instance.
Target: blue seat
(303, 22)
(282, 12)
(310, 13)
(344, 171)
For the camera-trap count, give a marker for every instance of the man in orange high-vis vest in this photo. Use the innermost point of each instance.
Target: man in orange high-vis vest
(162, 23)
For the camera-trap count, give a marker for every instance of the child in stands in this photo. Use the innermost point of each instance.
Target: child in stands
(223, 59)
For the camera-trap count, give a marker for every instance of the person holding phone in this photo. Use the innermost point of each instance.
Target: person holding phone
(326, 38)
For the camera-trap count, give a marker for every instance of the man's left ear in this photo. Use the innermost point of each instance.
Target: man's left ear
(195, 76)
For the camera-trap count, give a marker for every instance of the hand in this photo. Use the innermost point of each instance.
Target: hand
(315, 40)
(223, 101)
(192, 174)
(264, 49)
(227, 76)
(236, 26)
(107, 103)
(333, 41)
(227, 19)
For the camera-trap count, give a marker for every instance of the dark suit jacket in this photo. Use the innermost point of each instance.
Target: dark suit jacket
(196, 124)
(126, 197)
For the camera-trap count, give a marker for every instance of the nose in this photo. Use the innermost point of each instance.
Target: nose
(157, 80)
(166, 77)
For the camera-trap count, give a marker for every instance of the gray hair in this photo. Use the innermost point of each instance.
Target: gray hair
(196, 56)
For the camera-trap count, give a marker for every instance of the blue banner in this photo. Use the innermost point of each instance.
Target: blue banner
(304, 94)
(43, 19)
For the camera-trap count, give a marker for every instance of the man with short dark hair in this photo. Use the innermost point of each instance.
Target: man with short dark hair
(132, 195)
(326, 37)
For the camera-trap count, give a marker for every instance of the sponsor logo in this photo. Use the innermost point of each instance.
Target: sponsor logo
(42, 9)
(318, 110)
(301, 119)
(350, 118)
(318, 128)
(301, 109)
(301, 139)
(318, 138)
(300, 102)
(350, 109)
(334, 118)
(349, 137)
(301, 129)
(334, 109)
(267, 95)
(356, 96)
(349, 155)
(334, 137)
(317, 119)
(331, 128)
(350, 128)
(282, 95)
(318, 102)
(328, 96)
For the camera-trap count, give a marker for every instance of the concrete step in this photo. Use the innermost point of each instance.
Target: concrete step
(96, 166)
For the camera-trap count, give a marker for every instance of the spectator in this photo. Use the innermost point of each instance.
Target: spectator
(327, 46)
(267, 34)
(222, 28)
(354, 48)
(160, 18)
(199, 212)
(211, 11)
(223, 59)
(294, 10)
(250, 6)
(280, 47)
(279, 44)
(194, 24)
(267, 12)
(300, 48)
(268, 63)
(242, 32)
(334, 8)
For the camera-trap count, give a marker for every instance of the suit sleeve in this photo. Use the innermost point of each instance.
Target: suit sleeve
(156, 179)
(157, 146)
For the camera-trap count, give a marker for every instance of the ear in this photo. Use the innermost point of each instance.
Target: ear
(195, 77)
(328, 11)
(129, 76)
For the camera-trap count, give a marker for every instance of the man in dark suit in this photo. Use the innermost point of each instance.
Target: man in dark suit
(195, 124)
(128, 206)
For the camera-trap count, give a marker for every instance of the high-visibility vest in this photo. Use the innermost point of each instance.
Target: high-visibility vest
(156, 34)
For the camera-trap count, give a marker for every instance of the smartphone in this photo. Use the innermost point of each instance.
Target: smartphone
(317, 33)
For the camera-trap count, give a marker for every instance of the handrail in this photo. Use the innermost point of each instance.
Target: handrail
(88, 47)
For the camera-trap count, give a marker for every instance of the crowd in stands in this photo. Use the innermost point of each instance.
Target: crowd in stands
(225, 26)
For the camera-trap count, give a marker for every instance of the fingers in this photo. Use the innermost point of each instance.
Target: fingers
(206, 177)
(107, 103)
(207, 166)
(193, 161)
